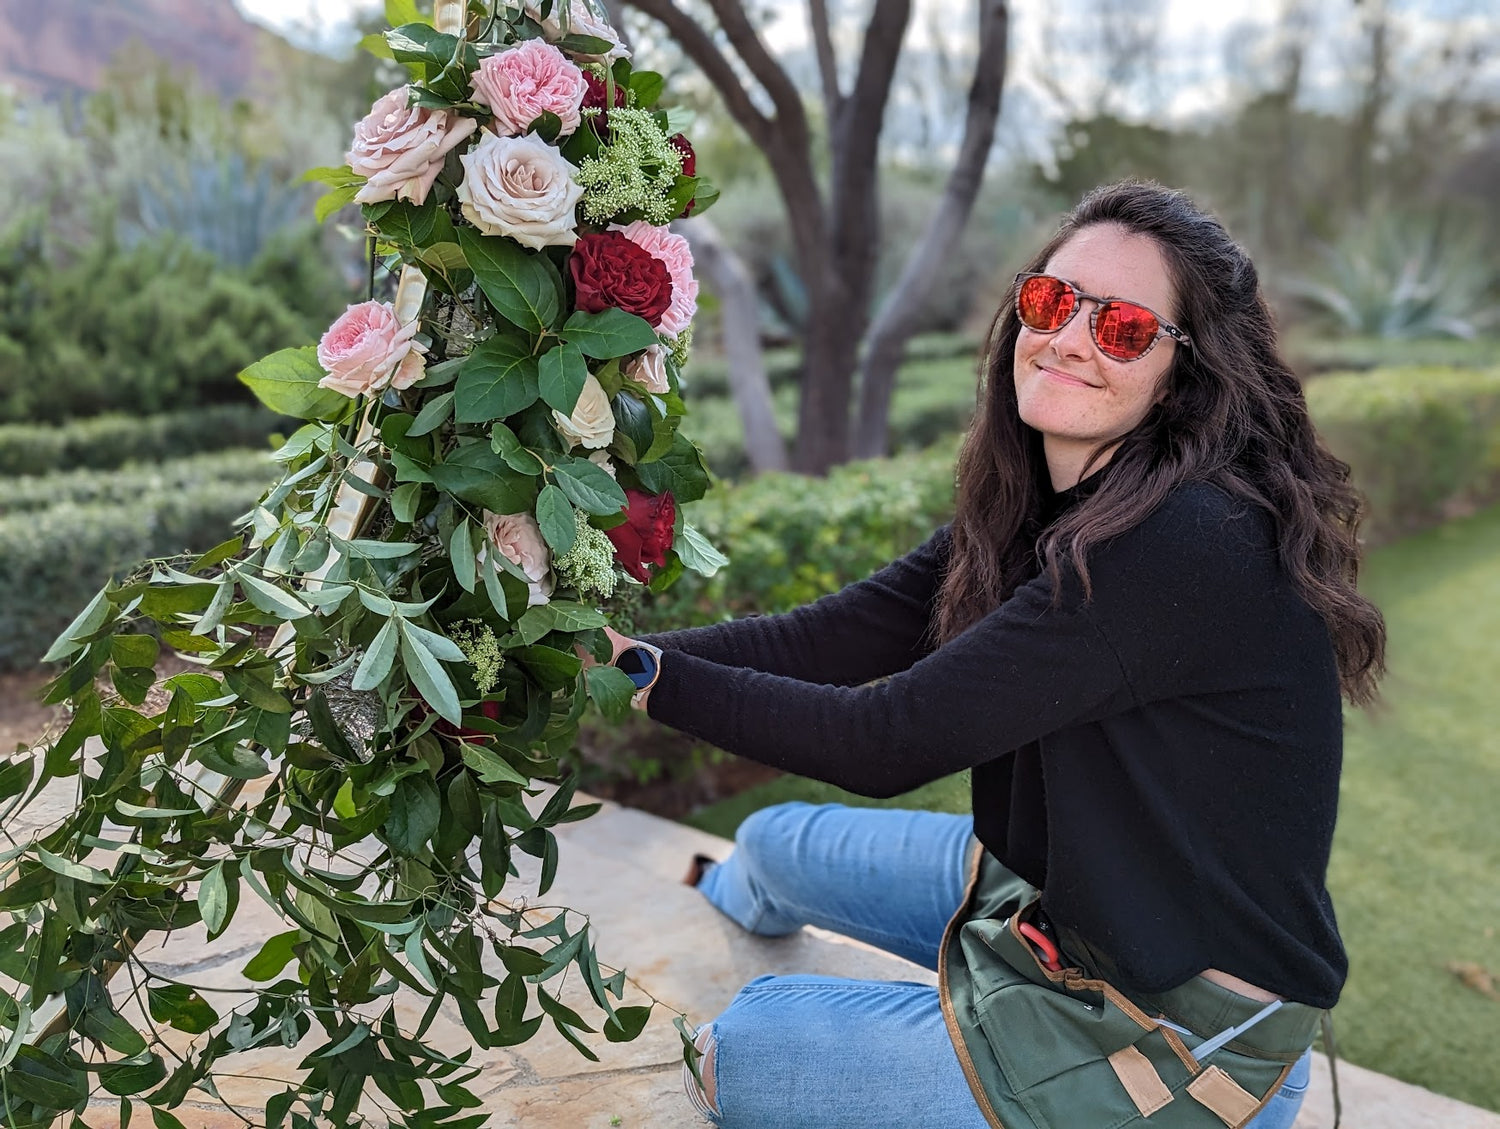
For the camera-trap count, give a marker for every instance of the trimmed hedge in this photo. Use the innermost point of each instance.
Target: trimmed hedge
(125, 485)
(102, 442)
(53, 561)
(791, 539)
(1423, 442)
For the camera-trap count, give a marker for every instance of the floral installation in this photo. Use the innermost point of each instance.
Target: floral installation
(386, 688)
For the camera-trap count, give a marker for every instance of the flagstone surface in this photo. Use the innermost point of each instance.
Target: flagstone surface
(622, 868)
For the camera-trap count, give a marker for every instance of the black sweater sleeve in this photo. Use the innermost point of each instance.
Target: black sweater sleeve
(866, 630)
(1026, 669)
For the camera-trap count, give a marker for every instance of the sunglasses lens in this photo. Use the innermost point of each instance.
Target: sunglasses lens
(1044, 303)
(1125, 331)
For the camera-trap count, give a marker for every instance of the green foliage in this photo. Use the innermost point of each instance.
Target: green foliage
(149, 328)
(100, 539)
(1424, 443)
(107, 441)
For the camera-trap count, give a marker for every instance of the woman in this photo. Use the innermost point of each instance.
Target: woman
(1135, 632)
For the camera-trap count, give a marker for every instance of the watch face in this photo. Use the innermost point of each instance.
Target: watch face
(639, 664)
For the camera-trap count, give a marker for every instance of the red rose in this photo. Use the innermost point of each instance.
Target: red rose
(685, 147)
(596, 99)
(646, 534)
(489, 709)
(609, 269)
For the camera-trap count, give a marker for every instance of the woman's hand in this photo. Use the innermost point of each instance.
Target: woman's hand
(617, 641)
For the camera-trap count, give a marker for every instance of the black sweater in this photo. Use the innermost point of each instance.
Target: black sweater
(1162, 760)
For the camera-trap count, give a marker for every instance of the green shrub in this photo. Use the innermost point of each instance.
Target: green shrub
(53, 561)
(791, 539)
(1424, 443)
(107, 441)
(150, 327)
(1311, 355)
(124, 486)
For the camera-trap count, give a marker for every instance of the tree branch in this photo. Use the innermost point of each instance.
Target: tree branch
(896, 320)
(828, 63)
(857, 132)
(748, 45)
(701, 49)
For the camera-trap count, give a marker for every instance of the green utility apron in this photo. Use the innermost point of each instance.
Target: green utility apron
(1068, 1050)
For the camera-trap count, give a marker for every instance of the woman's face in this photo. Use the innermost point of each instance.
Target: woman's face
(1078, 398)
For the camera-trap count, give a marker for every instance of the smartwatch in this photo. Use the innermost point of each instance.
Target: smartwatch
(641, 663)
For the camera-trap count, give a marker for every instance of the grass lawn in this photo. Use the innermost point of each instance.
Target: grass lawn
(1416, 863)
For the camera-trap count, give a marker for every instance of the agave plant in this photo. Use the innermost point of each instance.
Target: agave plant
(1404, 275)
(220, 204)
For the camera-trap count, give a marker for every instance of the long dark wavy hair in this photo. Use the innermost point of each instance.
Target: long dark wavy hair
(1233, 415)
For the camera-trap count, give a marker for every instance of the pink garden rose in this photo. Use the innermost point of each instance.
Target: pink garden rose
(368, 350)
(527, 81)
(399, 149)
(673, 251)
(521, 187)
(519, 538)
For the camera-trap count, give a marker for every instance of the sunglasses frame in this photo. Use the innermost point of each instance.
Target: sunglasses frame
(1164, 327)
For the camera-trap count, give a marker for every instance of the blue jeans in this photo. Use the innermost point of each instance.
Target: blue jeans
(822, 1052)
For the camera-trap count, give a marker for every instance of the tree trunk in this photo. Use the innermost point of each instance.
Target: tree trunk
(897, 319)
(747, 370)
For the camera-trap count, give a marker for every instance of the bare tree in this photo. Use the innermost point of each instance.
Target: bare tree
(835, 222)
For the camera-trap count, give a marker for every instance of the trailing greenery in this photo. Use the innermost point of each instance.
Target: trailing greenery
(1424, 442)
(125, 486)
(107, 441)
(146, 328)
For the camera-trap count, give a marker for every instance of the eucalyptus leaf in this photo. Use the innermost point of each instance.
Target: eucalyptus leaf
(463, 554)
(504, 443)
(433, 414)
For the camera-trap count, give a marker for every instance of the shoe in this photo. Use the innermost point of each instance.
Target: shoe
(697, 868)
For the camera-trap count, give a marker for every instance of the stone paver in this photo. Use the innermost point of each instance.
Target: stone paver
(622, 868)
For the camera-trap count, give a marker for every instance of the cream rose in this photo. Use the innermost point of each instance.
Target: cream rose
(399, 149)
(368, 350)
(518, 538)
(650, 369)
(601, 459)
(521, 187)
(592, 423)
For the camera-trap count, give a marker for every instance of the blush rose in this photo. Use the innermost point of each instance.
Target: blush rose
(399, 149)
(527, 81)
(368, 350)
(518, 538)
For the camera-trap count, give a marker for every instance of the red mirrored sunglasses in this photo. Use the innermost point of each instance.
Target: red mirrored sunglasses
(1124, 331)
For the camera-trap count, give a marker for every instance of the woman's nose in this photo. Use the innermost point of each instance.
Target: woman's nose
(1074, 339)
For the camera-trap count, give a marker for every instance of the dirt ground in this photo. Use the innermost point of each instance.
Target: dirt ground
(23, 719)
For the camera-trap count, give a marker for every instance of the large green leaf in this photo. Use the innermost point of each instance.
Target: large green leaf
(611, 689)
(680, 470)
(609, 333)
(563, 373)
(273, 956)
(287, 382)
(498, 379)
(477, 475)
(524, 287)
(378, 659)
(505, 444)
(589, 486)
(633, 421)
(698, 553)
(555, 516)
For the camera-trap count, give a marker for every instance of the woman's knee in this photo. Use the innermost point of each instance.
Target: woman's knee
(768, 837)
